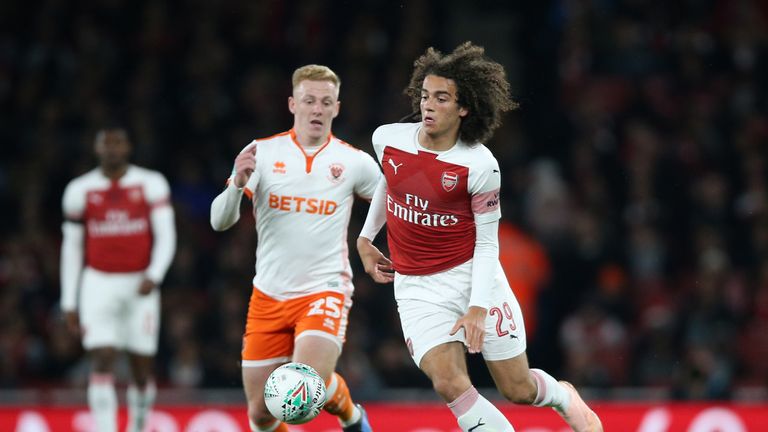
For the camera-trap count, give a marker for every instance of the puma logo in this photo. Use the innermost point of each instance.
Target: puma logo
(395, 167)
(479, 423)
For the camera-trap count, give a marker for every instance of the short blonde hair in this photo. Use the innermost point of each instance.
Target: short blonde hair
(315, 72)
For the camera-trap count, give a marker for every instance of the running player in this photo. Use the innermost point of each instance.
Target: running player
(440, 201)
(302, 184)
(119, 240)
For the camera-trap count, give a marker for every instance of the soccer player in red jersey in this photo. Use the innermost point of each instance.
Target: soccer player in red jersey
(440, 201)
(119, 240)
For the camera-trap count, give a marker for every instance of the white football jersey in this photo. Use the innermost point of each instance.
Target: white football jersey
(302, 204)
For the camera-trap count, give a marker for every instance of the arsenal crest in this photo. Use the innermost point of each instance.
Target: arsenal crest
(336, 170)
(449, 180)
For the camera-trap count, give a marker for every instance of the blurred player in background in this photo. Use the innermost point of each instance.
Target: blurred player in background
(119, 240)
(302, 184)
(440, 200)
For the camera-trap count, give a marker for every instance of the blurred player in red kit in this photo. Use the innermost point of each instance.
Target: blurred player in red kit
(440, 201)
(119, 238)
(302, 184)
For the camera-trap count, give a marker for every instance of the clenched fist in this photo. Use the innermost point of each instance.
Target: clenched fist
(245, 164)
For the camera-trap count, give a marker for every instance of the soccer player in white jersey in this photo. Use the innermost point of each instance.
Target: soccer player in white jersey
(302, 184)
(440, 200)
(119, 240)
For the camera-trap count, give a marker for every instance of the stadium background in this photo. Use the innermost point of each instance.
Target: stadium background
(634, 178)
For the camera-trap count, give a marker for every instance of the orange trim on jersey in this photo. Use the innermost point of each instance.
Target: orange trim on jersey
(346, 143)
(275, 135)
(307, 157)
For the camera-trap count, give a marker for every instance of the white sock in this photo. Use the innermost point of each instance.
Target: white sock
(139, 405)
(549, 392)
(102, 400)
(474, 411)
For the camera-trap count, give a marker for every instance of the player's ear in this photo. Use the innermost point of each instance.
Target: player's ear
(463, 112)
(291, 105)
(336, 110)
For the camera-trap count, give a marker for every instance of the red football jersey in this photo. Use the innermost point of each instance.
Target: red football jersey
(434, 199)
(116, 217)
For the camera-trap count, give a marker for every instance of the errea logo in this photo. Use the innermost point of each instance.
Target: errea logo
(278, 167)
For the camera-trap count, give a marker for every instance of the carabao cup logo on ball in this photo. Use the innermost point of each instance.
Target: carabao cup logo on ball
(294, 393)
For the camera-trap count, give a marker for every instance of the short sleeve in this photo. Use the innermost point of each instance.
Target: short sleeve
(378, 142)
(158, 192)
(73, 202)
(368, 177)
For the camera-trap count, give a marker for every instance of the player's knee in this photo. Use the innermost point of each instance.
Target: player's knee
(103, 360)
(258, 413)
(450, 387)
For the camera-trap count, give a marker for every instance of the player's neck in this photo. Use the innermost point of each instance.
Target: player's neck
(114, 172)
(438, 143)
(310, 142)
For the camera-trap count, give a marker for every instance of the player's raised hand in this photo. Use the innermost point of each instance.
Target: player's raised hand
(245, 164)
(473, 323)
(375, 263)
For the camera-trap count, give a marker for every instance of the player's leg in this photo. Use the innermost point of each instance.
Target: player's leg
(101, 318)
(259, 417)
(522, 385)
(102, 397)
(267, 344)
(321, 323)
(142, 334)
(446, 367)
(504, 352)
(140, 395)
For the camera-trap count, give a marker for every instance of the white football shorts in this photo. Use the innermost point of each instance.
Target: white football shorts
(113, 314)
(429, 306)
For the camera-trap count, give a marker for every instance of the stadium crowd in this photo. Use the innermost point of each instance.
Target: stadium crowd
(635, 174)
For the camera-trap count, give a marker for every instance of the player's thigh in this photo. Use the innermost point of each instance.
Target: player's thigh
(445, 361)
(254, 379)
(427, 325)
(102, 307)
(319, 352)
(142, 323)
(505, 336)
(268, 337)
(321, 316)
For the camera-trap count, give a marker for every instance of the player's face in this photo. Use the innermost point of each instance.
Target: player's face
(113, 148)
(440, 110)
(314, 105)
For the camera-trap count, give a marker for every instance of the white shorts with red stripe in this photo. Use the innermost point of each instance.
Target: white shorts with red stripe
(113, 314)
(429, 306)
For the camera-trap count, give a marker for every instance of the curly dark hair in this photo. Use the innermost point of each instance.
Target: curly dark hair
(481, 83)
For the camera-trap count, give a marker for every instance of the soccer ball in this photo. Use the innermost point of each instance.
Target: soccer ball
(294, 393)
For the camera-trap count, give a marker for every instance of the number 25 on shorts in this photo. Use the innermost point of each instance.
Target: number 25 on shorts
(329, 306)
